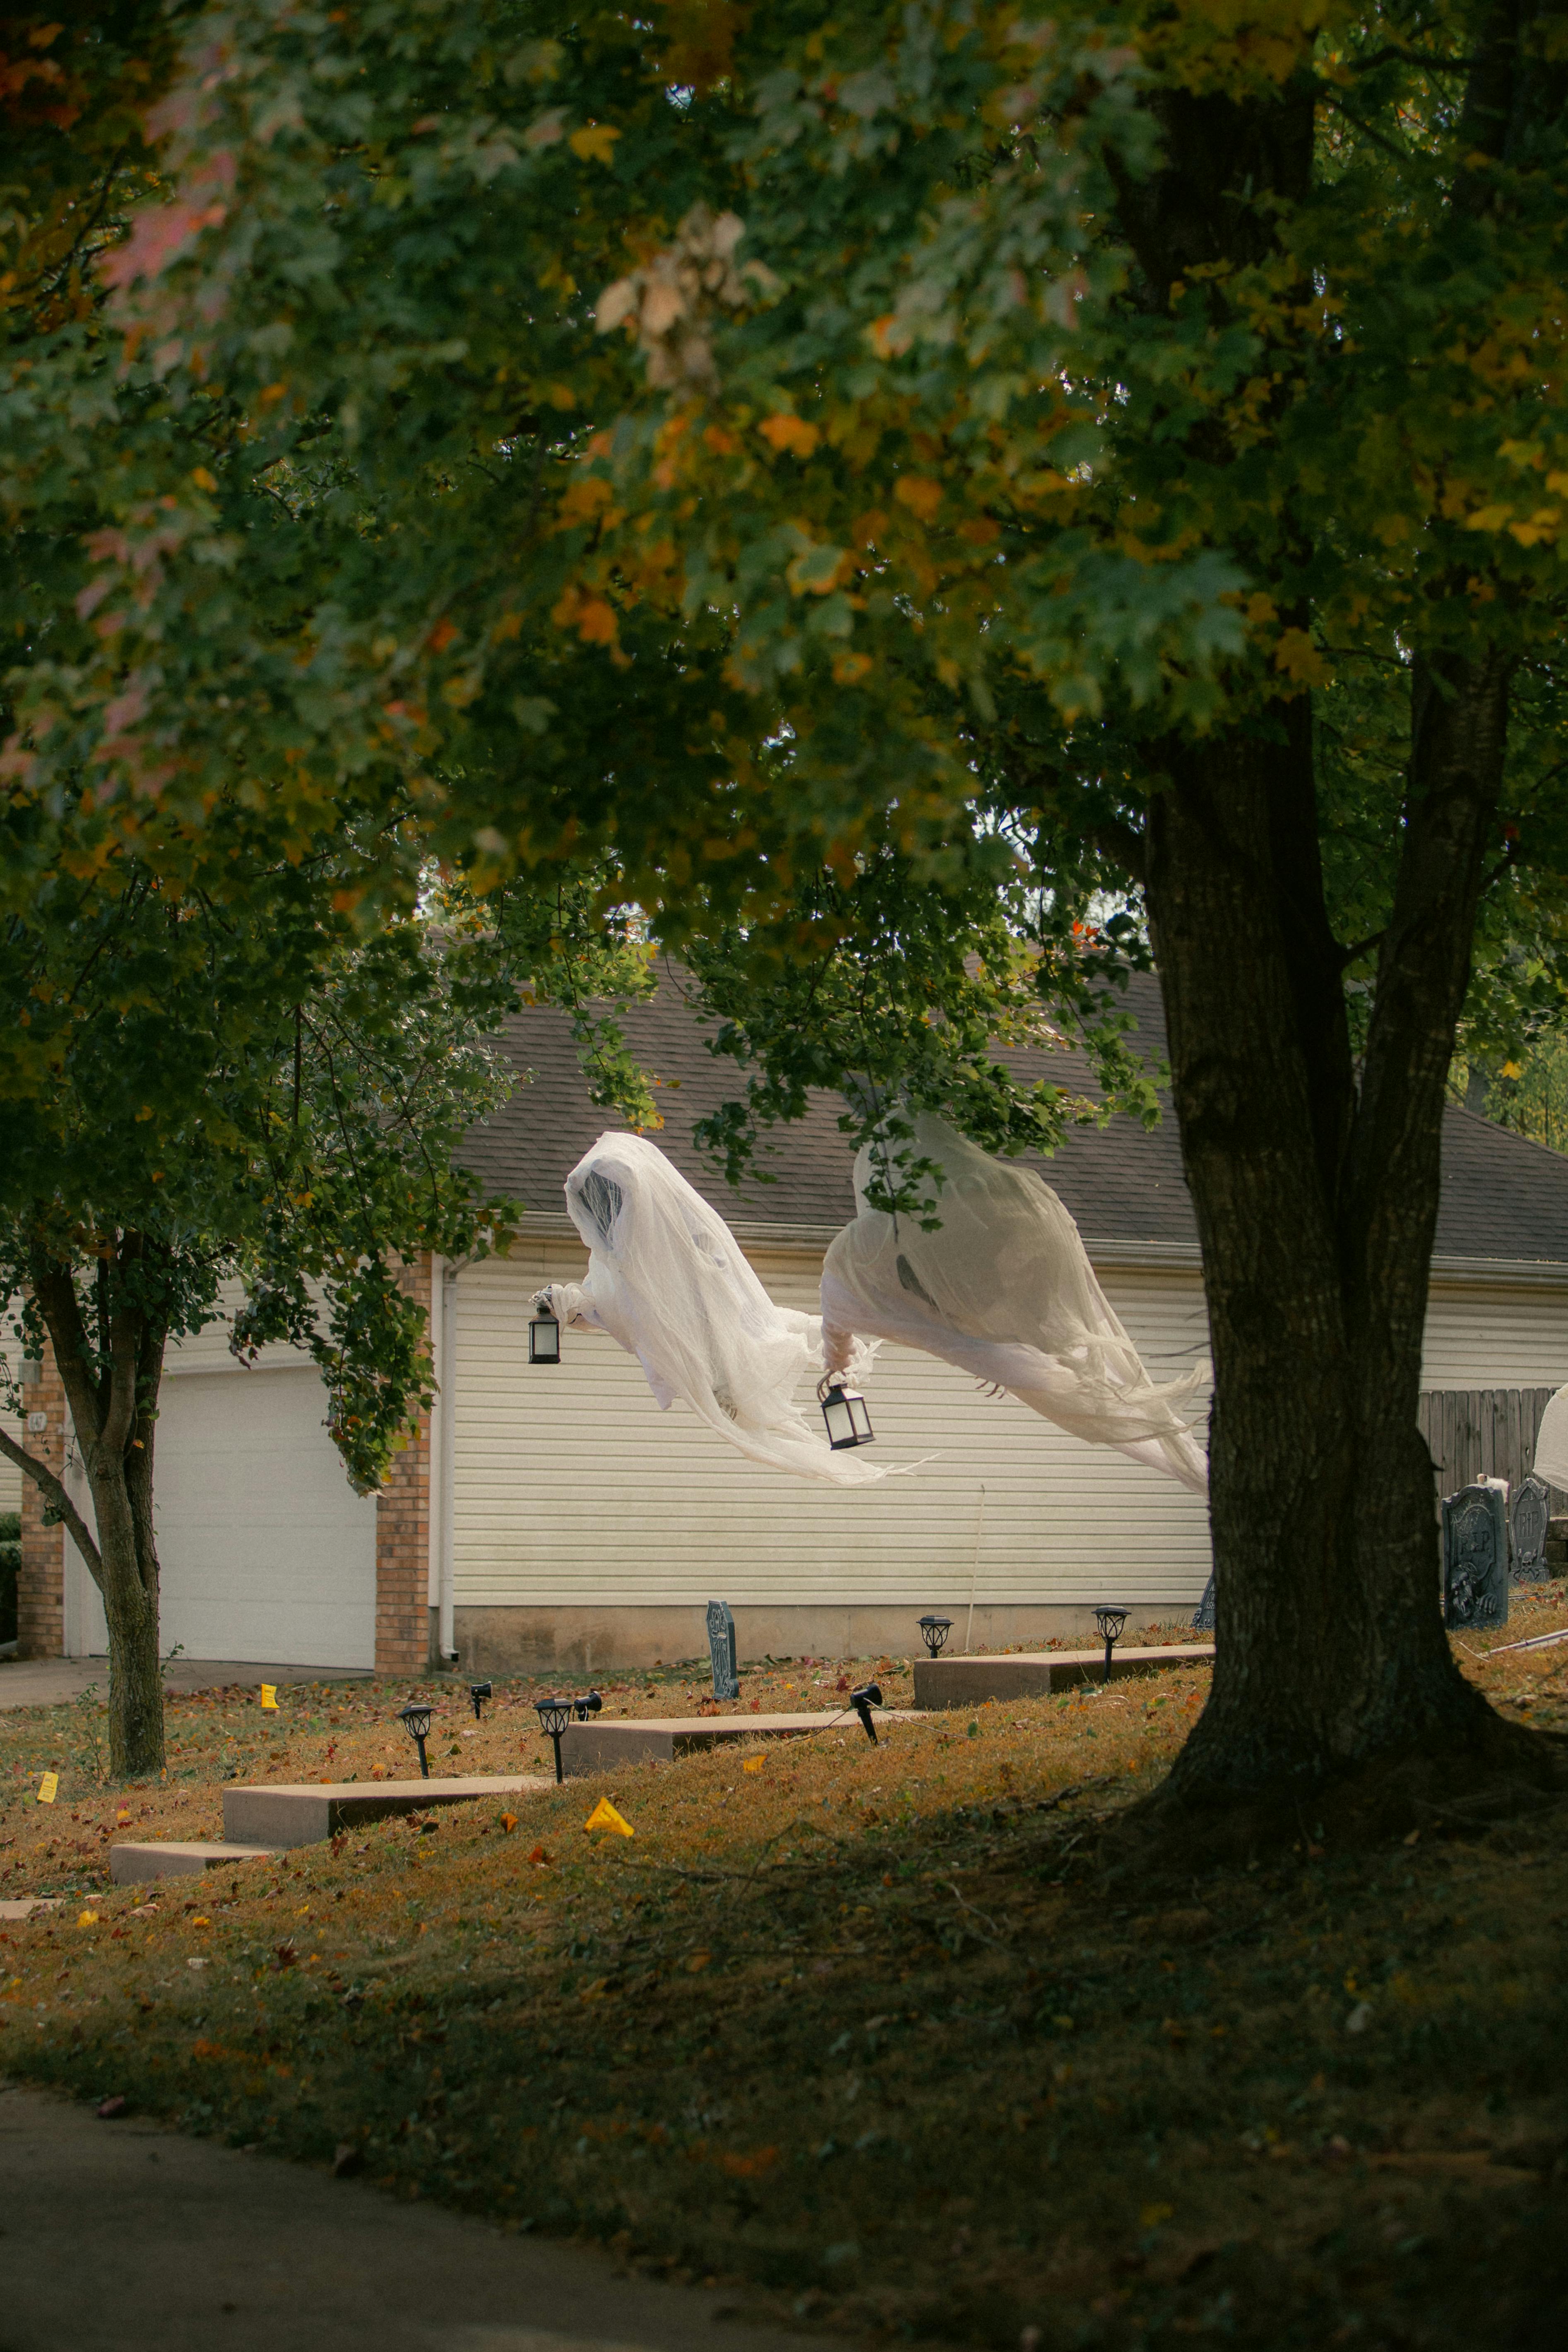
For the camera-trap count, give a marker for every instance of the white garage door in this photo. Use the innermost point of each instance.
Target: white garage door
(268, 1554)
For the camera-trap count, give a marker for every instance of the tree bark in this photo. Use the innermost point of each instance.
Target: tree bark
(112, 1391)
(1317, 1204)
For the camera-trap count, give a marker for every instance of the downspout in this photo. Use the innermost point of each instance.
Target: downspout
(446, 1630)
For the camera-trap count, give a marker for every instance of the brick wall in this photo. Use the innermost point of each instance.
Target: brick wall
(403, 1538)
(41, 1586)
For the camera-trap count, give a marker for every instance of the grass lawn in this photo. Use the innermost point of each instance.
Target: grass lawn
(868, 2033)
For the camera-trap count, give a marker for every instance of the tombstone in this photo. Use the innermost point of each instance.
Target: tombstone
(1529, 1521)
(722, 1649)
(1475, 1555)
(1203, 1615)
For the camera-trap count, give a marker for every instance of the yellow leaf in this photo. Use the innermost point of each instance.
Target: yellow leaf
(1513, 1069)
(596, 143)
(604, 1817)
(203, 479)
(753, 1764)
(1151, 2216)
(509, 1822)
(918, 493)
(88, 1920)
(1299, 659)
(786, 432)
(697, 1963)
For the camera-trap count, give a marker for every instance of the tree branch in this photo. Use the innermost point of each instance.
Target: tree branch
(44, 1478)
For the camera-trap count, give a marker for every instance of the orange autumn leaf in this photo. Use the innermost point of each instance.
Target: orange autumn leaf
(786, 432)
(918, 493)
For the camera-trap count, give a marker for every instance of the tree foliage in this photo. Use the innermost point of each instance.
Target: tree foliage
(815, 478)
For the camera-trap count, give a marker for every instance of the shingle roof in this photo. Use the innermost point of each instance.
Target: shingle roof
(1504, 1198)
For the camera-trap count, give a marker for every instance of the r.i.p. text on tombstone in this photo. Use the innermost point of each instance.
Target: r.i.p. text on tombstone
(722, 1649)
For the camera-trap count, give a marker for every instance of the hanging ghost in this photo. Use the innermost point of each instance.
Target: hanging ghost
(1004, 1290)
(666, 1279)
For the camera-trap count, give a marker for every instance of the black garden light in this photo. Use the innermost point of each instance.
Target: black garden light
(416, 1721)
(844, 1411)
(478, 1693)
(863, 1699)
(934, 1631)
(543, 1332)
(555, 1715)
(1109, 1623)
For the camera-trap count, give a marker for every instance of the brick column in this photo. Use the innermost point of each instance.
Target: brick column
(41, 1585)
(403, 1536)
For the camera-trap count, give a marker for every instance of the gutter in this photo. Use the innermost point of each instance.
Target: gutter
(1107, 1251)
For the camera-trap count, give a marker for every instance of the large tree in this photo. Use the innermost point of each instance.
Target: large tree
(817, 461)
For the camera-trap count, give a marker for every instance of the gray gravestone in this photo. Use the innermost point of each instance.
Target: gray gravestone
(1202, 1616)
(1527, 1523)
(1475, 1555)
(722, 1649)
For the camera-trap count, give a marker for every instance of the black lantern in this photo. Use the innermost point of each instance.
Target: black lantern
(1109, 1623)
(934, 1631)
(416, 1721)
(478, 1693)
(543, 1332)
(555, 1714)
(863, 1699)
(844, 1411)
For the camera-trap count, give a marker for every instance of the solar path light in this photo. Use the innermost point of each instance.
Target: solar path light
(863, 1699)
(1109, 1623)
(934, 1631)
(844, 1411)
(478, 1693)
(416, 1721)
(555, 1714)
(543, 1332)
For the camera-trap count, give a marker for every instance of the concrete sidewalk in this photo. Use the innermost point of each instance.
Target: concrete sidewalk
(47, 1681)
(122, 2237)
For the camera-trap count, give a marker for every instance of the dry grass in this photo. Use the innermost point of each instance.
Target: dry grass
(858, 2030)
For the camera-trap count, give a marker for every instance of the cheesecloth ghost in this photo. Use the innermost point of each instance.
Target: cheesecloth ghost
(666, 1279)
(1004, 1290)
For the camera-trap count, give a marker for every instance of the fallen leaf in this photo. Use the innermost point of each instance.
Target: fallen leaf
(539, 1855)
(108, 2108)
(348, 2160)
(753, 1764)
(509, 1822)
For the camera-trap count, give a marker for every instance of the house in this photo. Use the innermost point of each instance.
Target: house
(554, 1518)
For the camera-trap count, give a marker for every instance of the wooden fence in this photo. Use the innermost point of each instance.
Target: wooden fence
(1483, 1432)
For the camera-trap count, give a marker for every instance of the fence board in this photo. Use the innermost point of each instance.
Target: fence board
(1483, 1433)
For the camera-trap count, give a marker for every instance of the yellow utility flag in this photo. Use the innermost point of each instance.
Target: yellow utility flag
(270, 1695)
(49, 1788)
(604, 1817)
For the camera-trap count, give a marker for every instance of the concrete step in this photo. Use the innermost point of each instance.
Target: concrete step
(129, 1865)
(601, 1746)
(969, 1681)
(286, 1813)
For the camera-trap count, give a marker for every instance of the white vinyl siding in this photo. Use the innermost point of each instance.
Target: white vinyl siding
(1488, 1336)
(571, 1489)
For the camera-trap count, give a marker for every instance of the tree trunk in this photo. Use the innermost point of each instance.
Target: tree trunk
(1317, 1201)
(112, 1391)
